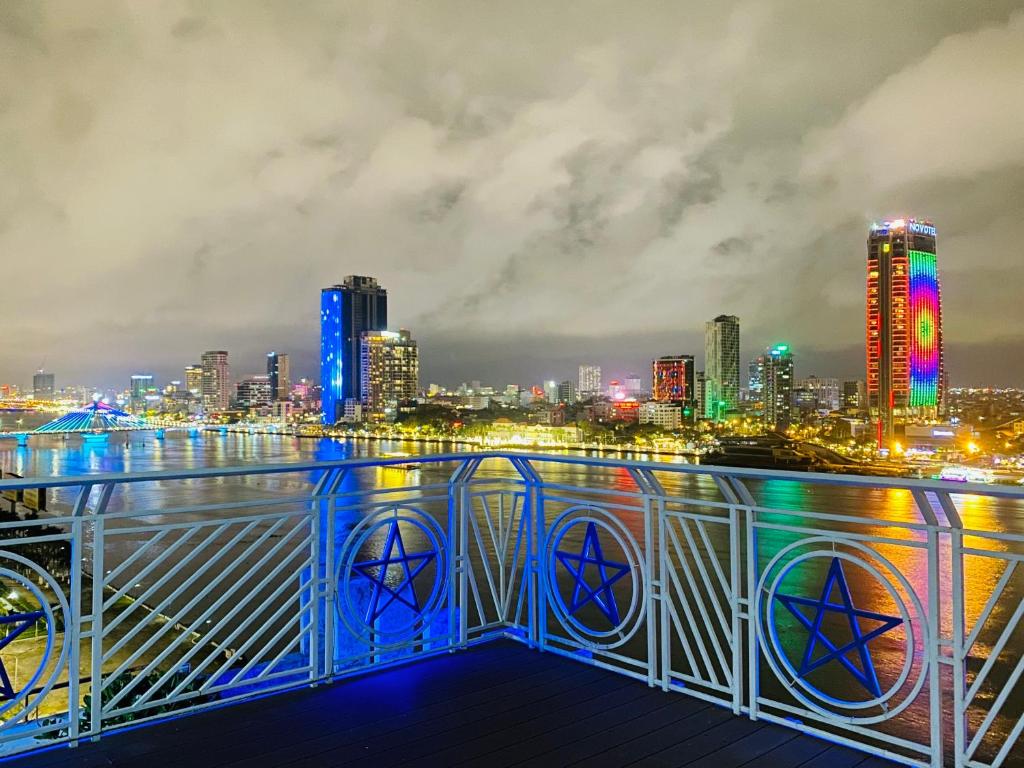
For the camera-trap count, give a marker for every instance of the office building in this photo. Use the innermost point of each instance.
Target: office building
(721, 366)
(590, 381)
(347, 310)
(194, 379)
(755, 378)
(778, 387)
(255, 392)
(700, 388)
(855, 395)
(43, 386)
(905, 366)
(824, 392)
(215, 380)
(141, 386)
(567, 392)
(665, 414)
(390, 370)
(280, 375)
(672, 378)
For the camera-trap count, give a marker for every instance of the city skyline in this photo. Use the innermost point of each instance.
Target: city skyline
(575, 209)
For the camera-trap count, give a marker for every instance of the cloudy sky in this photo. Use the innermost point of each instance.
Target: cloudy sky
(536, 184)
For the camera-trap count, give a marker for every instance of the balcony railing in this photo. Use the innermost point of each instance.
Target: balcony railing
(882, 614)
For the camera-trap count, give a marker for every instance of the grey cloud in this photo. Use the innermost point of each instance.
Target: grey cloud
(534, 183)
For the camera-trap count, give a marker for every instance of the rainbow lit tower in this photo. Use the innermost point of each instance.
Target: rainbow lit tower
(905, 367)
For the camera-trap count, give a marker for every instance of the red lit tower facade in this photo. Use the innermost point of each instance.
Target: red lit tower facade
(905, 368)
(672, 378)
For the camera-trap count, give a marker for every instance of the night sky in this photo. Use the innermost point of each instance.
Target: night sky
(536, 186)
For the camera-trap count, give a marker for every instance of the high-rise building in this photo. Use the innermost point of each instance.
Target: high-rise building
(43, 386)
(824, 392)
(905, 366)
(672, 378)
(279, 372)
(854, 395)
(141, 386)
(358, 304)
(633, 385)
(778, 386)
(215, 380)
(755, 378)
(194, 379)
(567, 392)
(590, 381)
(721, 365)
(700, 394)
(255, 392)
(390, 370)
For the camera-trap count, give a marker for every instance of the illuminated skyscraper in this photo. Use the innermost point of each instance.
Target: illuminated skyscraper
(755, 378)
(672, 378)
(390, 370)
(905, 367)
(778, 386)
(280, 376)
(347, 310)
(194, 379)
(721, 365)
(142, 385)
(215, 380)
(590, 381)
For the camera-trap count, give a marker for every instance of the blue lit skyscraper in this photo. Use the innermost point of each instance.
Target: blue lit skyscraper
(346, 310)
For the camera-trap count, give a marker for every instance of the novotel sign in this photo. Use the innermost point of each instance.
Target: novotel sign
(921, 229)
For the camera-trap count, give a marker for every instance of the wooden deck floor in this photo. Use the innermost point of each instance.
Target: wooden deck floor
(496, 705)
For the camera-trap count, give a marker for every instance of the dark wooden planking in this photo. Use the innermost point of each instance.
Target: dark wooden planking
(496, 705)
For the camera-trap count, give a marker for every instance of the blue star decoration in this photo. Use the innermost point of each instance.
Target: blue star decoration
(21, 622)
(410, 563)
(608, 572)
(824, 605)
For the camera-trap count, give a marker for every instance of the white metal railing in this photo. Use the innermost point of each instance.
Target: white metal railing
(882, 614)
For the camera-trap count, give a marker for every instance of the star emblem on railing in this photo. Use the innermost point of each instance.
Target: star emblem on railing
(411, 563)
(590, 554)
(21, 622)
(824, 605)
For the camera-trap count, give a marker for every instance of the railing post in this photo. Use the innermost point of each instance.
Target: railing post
(96, 622)
(658, 664)
(75, 619)
(322, 592)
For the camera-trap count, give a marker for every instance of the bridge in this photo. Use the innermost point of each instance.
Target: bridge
(502, 608)
(96, 420)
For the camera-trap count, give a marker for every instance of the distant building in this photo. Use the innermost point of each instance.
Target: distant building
(279, 371)
(215, 380)
(905, 366)
(825, 391)
(633, 385)
(551, 391)
(194, 379)
(755, 378)
(721, 366)
(567, 392)
(855, 395)
(778, 387)
(590, 381)
(672, 378)
(667, 415)
(615, 390)
(356, 305)
(390, 369)
(43, 386)
(700, 388)
(141, 386)
(255, 392)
